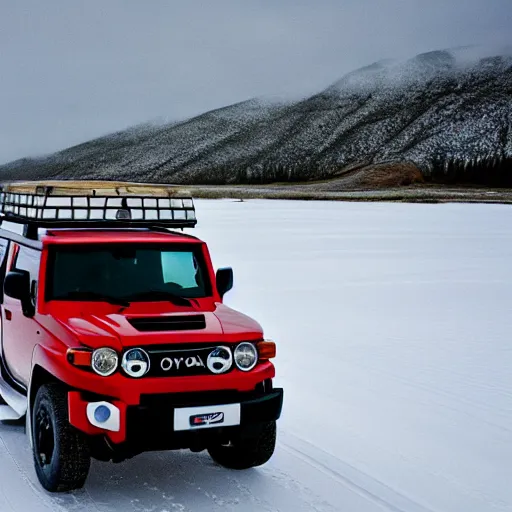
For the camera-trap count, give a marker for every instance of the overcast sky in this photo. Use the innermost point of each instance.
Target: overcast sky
(71, 70)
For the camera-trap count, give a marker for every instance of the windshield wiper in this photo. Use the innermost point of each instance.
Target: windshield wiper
(159, 295)
(93, 296)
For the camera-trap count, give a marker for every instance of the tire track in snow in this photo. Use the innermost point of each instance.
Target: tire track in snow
(357, 481)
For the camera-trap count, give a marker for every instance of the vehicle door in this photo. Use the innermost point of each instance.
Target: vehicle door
(4, 249)
(19, 331)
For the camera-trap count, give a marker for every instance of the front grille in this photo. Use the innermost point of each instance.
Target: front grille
(182, 360)
(169, 323)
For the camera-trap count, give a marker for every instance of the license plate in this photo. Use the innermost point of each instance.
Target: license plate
(210, 416)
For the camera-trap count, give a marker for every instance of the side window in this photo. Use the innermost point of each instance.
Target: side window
(28, 259)
(182, 270)
(4, 246)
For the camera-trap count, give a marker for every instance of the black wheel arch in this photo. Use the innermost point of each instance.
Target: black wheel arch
(40, 376)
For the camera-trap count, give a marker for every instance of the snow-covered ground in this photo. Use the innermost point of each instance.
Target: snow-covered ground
(394, 328)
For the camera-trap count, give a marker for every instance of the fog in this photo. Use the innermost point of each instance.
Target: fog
(73, 71)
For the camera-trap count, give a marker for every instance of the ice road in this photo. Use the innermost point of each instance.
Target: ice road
(394, 332)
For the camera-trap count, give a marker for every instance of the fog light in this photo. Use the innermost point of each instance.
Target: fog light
(104, 415)
(101, 413)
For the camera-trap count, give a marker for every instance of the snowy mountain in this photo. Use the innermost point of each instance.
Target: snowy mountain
(447, 113)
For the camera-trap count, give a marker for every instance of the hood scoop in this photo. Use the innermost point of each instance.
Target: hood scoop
(169, 323)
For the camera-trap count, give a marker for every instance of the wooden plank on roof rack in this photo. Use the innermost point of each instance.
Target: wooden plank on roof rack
(95, 188)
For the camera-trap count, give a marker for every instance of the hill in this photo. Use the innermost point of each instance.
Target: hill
(439, 115)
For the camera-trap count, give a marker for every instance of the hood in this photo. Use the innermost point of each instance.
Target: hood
(139, 328)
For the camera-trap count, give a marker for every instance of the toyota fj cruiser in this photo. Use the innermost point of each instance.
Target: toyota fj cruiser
(114, 337)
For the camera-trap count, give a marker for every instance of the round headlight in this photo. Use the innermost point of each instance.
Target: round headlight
(246, 356)
(135, 362)
(104, 361)
(219, 360)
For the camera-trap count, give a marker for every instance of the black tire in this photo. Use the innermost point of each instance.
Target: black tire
(61, 452)
(248, 449)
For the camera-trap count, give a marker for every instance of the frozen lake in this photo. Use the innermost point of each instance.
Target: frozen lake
(394, 329)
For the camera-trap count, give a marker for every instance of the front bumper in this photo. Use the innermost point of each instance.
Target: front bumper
(150, 424)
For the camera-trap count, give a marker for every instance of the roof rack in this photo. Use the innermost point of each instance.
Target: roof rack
(68, 204)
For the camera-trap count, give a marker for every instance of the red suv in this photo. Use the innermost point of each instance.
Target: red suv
(115, 340)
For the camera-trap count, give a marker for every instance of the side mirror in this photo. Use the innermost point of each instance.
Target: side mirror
(17, 286)
(224, 280)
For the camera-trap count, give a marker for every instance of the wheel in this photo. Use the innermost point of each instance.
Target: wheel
(248, 449)
(61, 452)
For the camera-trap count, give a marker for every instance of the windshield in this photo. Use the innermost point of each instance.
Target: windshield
(122, 272)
